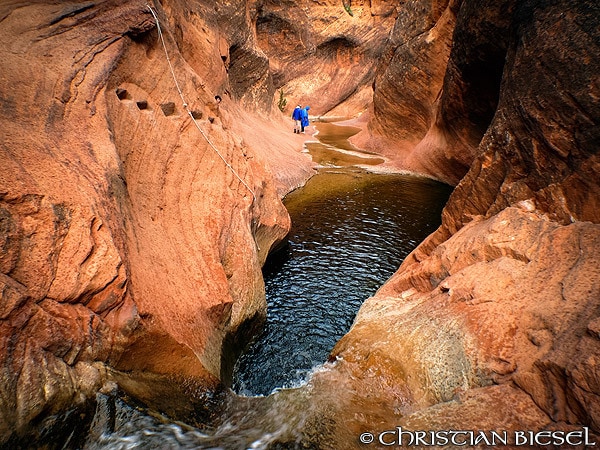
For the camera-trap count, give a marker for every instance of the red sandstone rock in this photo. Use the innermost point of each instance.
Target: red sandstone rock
(408, 87)
(319, 54)
(507, 291)
(129, 249)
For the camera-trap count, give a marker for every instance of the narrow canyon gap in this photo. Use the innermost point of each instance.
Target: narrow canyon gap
(131, 257)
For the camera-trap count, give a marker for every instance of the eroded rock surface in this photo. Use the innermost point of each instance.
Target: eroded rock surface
(490, 306)
(409, 81)
(129, 249)
(504, 297)
(322, 54)
(130, 252)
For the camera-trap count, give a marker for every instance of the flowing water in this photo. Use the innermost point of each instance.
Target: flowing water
(351, 230)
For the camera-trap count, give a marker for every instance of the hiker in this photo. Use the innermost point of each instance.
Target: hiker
(296, 117)
(304, 118)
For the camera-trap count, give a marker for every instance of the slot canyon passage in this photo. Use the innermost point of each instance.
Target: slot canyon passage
(135, 221)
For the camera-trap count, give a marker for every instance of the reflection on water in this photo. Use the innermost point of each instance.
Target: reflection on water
(351, 230)
(334, 150)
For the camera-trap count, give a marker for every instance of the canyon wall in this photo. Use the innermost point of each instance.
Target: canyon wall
(323, 54)
(131, 252)
(492, 322)
(436, 89)
(133, 221)
(137, 209)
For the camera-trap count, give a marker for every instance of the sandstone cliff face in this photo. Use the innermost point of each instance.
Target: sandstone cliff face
(437, 90)
(129, 250)
(408, 83)
(469, 93)
(321, 54)
(503, 300)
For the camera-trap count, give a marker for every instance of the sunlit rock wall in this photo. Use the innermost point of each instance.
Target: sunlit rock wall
(322, 54)
(129, 250)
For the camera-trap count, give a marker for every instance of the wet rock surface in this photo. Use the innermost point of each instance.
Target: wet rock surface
(506, 292)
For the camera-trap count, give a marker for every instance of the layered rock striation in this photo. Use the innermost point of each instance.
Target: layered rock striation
(322, 54)
(136, 209)
(133, 227)
(500, 305)
(436, 91)
(134, 220)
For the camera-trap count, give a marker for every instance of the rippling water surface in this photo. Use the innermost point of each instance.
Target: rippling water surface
(351, 230)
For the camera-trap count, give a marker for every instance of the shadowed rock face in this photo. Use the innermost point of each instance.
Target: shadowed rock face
(408, 83)
(469, 94)
(319, 54)
(505, 295)
(130, 250)
(437, 91)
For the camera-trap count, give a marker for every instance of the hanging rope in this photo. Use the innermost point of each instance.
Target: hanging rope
(185, 105)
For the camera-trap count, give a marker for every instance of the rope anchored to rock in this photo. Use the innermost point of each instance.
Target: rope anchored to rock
(189, 112)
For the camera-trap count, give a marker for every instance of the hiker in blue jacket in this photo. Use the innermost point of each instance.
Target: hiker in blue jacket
(304, 118)
(296, 117)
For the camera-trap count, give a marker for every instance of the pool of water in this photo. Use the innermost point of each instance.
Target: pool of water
(350, 232)
(334, 150)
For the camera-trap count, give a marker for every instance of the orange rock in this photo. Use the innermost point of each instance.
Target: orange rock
(503, 298)
(129, 249)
